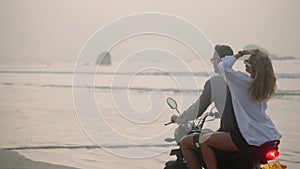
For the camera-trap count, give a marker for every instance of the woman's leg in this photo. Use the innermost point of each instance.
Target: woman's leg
(189, 152)
(219, 140)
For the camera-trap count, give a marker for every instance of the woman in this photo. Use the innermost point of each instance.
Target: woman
(249, 99)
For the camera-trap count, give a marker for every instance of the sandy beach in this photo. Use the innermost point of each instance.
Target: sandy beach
(79, 158)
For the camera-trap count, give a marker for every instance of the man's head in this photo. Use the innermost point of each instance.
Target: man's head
(220, 52)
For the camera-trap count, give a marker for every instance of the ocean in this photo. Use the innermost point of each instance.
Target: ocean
(55, 113)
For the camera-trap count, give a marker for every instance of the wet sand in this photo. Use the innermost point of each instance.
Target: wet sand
(14, 160)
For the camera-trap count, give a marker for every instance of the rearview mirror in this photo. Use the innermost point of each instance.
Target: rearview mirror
(172, 103)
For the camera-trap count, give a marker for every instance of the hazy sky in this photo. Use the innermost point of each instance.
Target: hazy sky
(56, 30)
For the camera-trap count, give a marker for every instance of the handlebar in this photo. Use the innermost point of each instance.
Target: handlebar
(168, 123)
(203, 118)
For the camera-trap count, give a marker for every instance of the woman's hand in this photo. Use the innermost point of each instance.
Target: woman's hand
(250, 52)
(246, 52)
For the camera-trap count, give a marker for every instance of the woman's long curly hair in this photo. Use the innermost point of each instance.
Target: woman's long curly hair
(264, 83)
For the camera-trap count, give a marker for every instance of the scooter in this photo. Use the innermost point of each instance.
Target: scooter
(261, 157)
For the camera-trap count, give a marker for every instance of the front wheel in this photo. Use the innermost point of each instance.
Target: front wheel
(176, 165)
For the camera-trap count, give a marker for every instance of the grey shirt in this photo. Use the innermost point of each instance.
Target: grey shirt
(214, 91)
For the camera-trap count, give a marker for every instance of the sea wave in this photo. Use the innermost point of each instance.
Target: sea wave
(279, 92)
(85, 146)
(152, 73)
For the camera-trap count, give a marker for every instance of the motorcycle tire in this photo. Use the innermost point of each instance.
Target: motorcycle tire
(175, 165)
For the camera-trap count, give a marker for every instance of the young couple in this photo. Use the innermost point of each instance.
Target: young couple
(242, 100)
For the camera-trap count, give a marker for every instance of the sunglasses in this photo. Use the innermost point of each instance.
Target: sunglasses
(246, 62)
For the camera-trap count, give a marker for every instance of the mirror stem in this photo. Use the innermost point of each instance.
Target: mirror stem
(178, 112)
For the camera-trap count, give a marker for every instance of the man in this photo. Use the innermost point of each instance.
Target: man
(214, 91)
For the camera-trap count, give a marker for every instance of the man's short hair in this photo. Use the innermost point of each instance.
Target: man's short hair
(223, 50)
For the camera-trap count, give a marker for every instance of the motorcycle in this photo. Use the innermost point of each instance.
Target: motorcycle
(261, 157)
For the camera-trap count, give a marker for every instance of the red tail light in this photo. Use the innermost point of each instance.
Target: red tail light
(271, 154)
